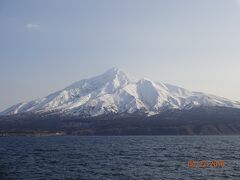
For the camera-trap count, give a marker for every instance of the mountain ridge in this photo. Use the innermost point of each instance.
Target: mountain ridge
(116, 92)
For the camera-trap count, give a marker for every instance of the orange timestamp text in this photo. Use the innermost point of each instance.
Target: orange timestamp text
(205, 164)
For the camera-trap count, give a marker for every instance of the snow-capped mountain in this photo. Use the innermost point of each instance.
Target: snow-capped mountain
(115, 92)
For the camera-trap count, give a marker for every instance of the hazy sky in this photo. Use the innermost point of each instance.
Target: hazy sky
(46, 45)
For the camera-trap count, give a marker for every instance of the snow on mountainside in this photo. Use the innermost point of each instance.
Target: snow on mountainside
(117, 92)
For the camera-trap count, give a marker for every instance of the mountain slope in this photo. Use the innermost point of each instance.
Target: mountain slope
(115, 92)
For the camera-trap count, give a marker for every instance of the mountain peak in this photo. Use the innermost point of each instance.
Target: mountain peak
(114, 71)
(113, 76)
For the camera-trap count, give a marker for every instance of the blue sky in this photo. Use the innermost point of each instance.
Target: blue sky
(46, 45)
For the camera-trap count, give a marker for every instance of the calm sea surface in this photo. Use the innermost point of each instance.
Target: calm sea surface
(125, 157)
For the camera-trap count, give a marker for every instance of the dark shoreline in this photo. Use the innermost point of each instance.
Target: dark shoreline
(199, 121)
(101, 135)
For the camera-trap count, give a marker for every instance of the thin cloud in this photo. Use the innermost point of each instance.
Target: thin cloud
(33, 27)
